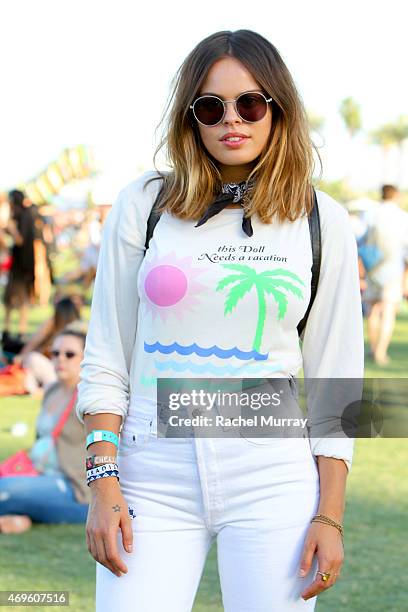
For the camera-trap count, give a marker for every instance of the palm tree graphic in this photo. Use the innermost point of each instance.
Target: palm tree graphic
(268, 282)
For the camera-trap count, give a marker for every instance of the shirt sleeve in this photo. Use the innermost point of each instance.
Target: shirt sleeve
(333, 340)
(105, 368)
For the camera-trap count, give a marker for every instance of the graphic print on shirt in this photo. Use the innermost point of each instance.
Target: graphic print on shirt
(168, 288)
(266, 282)
(171, 289)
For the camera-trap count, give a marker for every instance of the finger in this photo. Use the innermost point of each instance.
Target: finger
(319, 585)
(314, 589)
(101, 554)
(112, 553)
(93, 550)
(127, 533)
(307, 558)
(88, 541)
(334, 574)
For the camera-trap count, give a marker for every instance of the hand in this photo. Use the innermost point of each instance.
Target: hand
(108, 512)
(328, 542)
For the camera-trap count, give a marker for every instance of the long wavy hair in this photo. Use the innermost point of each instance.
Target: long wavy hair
(283, 171)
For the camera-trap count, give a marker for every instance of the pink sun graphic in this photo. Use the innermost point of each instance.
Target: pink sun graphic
(169, 286)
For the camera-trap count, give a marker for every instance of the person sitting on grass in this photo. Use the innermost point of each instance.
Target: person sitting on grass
(59, 493)
(35, 356)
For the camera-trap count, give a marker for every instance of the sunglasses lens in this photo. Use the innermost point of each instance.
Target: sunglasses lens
(252, 107)
(208, 110)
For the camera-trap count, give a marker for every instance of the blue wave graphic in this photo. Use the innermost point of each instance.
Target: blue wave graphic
(218, 371)
(204, 352)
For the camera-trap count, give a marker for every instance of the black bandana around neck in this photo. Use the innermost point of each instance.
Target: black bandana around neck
(230, 191)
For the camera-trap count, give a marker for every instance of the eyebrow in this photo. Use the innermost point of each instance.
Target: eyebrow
(211, 93)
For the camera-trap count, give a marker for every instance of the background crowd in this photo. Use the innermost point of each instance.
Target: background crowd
(46, 483)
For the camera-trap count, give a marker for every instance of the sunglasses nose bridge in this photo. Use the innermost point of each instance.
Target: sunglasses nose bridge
(231, 115)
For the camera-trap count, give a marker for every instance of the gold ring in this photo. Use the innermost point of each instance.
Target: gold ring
(325, 576)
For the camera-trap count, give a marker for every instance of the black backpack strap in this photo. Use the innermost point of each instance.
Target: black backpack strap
(316, 243)
(153, 219)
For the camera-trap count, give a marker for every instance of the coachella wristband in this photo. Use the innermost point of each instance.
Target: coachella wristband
(102, 435)
(95, 460)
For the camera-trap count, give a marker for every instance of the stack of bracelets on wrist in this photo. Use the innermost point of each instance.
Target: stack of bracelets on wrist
(322, 518)
(101, 466)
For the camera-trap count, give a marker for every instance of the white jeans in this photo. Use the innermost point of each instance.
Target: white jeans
(255, 496)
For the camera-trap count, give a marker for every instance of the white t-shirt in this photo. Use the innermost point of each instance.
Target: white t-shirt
(390, 223)
(168, 314)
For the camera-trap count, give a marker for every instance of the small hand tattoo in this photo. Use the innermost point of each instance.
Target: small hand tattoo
(116, 508)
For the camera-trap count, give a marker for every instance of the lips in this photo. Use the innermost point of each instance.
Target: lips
(233, 135)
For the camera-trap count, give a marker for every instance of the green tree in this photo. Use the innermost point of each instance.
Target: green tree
(351, 114)
(391, 135)
(269, 282)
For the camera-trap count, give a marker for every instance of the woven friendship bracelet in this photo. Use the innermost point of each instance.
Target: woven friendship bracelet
(107, 467)
(107, 474)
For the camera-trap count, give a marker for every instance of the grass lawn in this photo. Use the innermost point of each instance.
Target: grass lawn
(373, 577)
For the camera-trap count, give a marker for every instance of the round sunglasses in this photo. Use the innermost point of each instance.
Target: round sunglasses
(67, 354)
(250, 106)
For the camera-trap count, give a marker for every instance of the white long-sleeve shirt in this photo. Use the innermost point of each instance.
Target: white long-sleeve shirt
(167, 313)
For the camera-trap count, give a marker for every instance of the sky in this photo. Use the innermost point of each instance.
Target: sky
(98, 73)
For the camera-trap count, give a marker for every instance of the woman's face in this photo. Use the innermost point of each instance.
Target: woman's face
(227, 79)
(66, 363)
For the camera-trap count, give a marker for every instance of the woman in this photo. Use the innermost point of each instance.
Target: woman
(58, 494)
(35, 356)
(236, 124)
(19, 291)
(42, 262)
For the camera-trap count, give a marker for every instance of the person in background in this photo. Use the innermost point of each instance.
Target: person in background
(384, 290)
(19, 291)
(59, 494)
(86, 272)
(5, 259)
(36, 355)
(42, 264)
